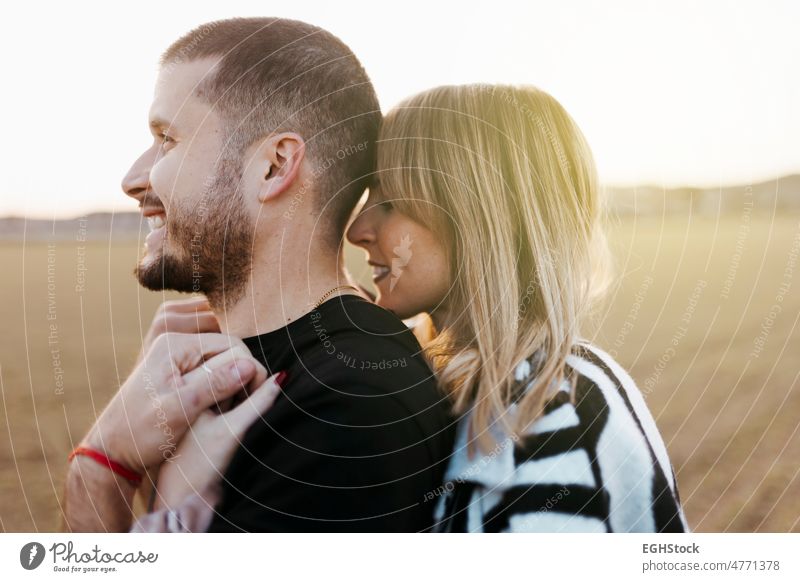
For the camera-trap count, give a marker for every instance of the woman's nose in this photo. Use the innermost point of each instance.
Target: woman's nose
(362, 230)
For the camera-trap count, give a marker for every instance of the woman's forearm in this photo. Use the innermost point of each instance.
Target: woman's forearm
(96, 499)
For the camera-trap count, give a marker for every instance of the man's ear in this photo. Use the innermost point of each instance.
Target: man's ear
(283, 155)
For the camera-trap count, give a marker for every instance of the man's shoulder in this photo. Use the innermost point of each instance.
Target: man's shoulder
(360, 375)
(361, 386)
(365, 349)
(354, 320)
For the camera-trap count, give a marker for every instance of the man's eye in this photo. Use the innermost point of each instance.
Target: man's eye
(165, 139)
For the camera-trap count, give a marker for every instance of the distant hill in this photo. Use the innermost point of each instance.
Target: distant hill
(782, 194)
(779, 195)
(100, 226)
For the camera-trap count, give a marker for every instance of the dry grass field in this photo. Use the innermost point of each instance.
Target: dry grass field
(704, 316)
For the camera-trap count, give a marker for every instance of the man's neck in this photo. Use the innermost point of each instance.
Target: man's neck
(282, 290)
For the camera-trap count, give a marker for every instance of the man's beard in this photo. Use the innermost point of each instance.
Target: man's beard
(211, 244)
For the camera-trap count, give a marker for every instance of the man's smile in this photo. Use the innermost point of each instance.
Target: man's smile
(157, 221)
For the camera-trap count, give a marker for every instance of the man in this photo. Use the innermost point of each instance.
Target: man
(264, 135)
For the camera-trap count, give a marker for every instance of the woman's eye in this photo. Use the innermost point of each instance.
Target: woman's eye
(166, 140)
(387, 206)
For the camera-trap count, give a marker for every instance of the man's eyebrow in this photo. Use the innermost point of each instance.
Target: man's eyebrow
(157, 124)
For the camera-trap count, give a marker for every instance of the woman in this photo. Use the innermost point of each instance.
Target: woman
(486, 215)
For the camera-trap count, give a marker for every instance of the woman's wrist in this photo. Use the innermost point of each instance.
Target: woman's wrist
(99, 478)
(100, 457)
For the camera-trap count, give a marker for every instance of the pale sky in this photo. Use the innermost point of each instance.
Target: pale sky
(667, 93)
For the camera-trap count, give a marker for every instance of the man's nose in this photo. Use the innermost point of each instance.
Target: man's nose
(136, 182)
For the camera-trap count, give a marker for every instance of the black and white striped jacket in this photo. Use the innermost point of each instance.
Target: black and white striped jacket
(598, 465)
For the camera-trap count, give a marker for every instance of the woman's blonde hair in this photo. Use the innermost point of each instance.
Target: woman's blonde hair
(506, 180)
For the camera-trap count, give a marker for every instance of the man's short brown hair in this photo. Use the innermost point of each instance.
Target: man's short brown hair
(284, 75)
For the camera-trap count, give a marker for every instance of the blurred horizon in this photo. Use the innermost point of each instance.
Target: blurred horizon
(620, 198)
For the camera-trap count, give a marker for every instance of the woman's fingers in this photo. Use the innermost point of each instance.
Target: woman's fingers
(184, 316)
(235, 353)
(195, 322)
(189, 305)
(204, 389)
(187, 351)
(259, 401)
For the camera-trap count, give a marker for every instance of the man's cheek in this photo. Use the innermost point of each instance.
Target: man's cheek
(157, 188)
(165, 181)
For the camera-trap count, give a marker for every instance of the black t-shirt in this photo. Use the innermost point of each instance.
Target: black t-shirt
(358, 437)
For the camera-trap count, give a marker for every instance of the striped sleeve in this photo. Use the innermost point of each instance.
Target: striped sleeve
(593, 463)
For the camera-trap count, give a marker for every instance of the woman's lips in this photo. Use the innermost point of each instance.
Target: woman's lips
(379, 272)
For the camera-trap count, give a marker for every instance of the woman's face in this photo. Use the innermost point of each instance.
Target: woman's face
(409, 264)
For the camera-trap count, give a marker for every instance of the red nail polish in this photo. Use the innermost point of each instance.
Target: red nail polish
(281, 378)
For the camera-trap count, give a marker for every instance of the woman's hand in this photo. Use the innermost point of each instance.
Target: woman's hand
(208, 447)
(191, 315)
(180, 377)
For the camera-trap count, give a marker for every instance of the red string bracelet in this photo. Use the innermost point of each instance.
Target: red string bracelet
(132, 476)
